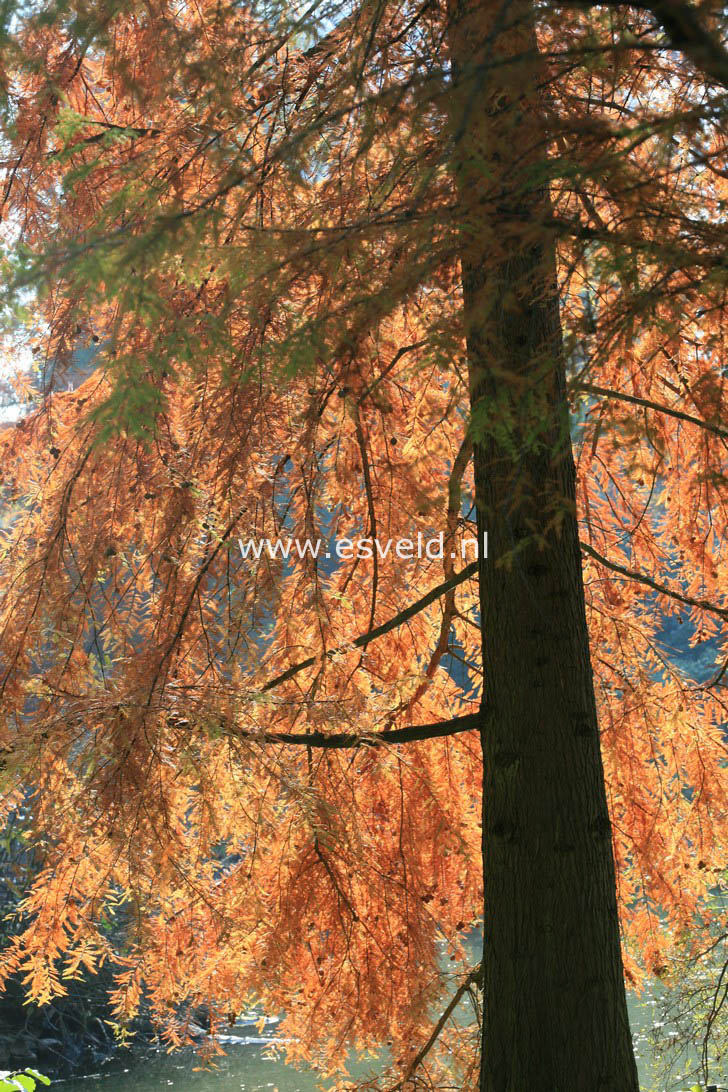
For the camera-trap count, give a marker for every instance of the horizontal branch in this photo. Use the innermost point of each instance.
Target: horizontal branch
(604, 392)
(343, 740)
(688, 600)
(379, 631)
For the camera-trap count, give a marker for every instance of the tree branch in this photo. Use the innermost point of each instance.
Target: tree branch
(475, 976)
(342, 740)
(684, 30)
(657, 406)
(379, 631)
(688, 600)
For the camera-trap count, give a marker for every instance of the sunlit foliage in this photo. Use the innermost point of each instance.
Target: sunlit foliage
(245, 215)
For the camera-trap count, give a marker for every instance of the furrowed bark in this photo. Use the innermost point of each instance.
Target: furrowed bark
(555, 1015)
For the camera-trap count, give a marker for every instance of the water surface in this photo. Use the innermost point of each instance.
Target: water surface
(247, 1067)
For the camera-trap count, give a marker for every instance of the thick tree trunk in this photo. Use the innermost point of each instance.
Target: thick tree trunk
(555, 1007)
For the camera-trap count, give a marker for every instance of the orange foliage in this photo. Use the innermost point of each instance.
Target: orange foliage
(258, 240)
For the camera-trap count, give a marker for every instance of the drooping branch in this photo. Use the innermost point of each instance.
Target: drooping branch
(372, 511)
(640, 578)
(454, 490)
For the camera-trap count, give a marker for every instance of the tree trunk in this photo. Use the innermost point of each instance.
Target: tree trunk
(555, 1013)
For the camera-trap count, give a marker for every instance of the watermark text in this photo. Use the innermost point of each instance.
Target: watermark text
(354, 549)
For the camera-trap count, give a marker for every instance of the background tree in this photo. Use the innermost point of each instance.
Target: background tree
(323, 256)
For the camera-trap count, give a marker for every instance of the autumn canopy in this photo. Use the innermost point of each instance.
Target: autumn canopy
(281, 272)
